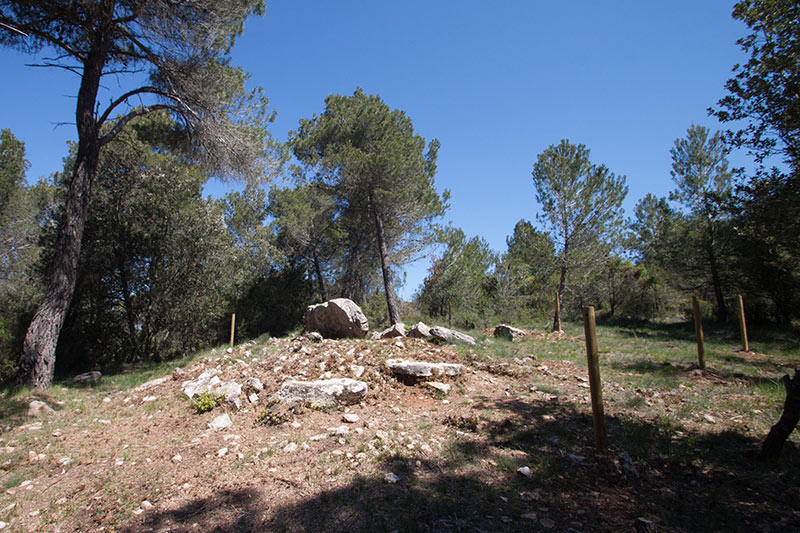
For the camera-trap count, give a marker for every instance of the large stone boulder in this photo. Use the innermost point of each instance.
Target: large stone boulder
(449, 335)
(337, 318)
(504, 331)
(326, 392)
(422, 369)
(396, 330)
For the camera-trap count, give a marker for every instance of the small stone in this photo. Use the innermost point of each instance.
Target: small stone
(547, 523)
(178, 373)
(253, 398)
(61, 501)
(39, 408)
(3, 525)
(525, 471)
(350, 418)
(710, 419)
(529, 516)
(296, 425)
(106, 400)
(221, 422)
(440, 387)
(392, 477)
(88, 378)
(222, 452)
(357, 370)
(146, 505)
(33, 513)
(575, 458)
(177, 458)
(289, 448)
(253, 384)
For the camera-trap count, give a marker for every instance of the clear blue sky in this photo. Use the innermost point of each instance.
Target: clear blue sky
(495, 82)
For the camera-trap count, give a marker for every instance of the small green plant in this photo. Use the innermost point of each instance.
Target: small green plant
(202, 403)
(275, 414)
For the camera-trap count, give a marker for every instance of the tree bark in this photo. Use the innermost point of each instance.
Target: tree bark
(559, 295)
(388, 284)
(37, 364)
(777, 436)
(320, 281)
(722, 310)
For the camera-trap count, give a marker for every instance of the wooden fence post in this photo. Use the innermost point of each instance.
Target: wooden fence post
(233, 327)
(595, 385)
(743, 325)
(698, 330)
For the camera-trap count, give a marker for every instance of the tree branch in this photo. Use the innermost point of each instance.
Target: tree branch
(122, 121)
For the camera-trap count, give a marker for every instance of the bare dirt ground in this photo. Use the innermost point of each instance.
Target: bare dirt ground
(416, 459)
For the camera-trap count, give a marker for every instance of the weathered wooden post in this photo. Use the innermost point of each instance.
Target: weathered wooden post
(743, 325)
(698, 330)
(595, 386)
(233, 327)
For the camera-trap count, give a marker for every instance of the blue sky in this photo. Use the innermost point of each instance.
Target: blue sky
(495, 82)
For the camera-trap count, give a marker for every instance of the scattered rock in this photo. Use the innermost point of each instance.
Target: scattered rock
(450, 335)
(547, 523)
(336, 318)
(221, 422)
(643, 525)
(419, 331)
(504, 331)
(313, 336)
(222, 452)
(253, 385)
(392, 477)
(146, 505)
(253, 398)
(441, 387)
(525, 471)
(232, 392)
(178, 373)
(357, 370)
(87, 378)
(421, 369)
(710, 419)
(204, 383)
(177, 458)
(396, 330)
(328, 392)
(38, 408)
(152, 383)
(529, 516)
(291, 447)
(350, 418)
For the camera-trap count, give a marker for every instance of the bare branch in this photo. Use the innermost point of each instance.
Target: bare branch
(122, 99)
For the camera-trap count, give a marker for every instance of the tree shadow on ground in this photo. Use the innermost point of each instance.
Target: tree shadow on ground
(687, 370)
(679, 481)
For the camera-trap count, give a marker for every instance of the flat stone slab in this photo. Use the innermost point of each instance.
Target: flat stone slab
(328, 392)
(449, 335)
(422, 369)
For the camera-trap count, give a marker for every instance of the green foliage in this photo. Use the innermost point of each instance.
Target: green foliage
(25, 212)
(581, 207)
(524, 275)
(762, 94)
(207, 401)
(380, 176)
(157, 267)
(458, 280)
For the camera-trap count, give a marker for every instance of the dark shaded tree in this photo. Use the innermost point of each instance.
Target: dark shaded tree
(185, 47)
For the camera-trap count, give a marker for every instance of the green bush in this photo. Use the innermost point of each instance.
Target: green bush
(202, 403)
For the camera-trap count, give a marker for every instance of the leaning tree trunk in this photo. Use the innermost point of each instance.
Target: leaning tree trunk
(777, 436)
(320, 281)
(388, 284)
(37, 364)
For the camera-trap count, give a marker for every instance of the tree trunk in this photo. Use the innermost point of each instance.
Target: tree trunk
(722, 311)
(777, 436)
(388, 284)
(127, 303)
(37, 364)
(559, 296)
(320, 281)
